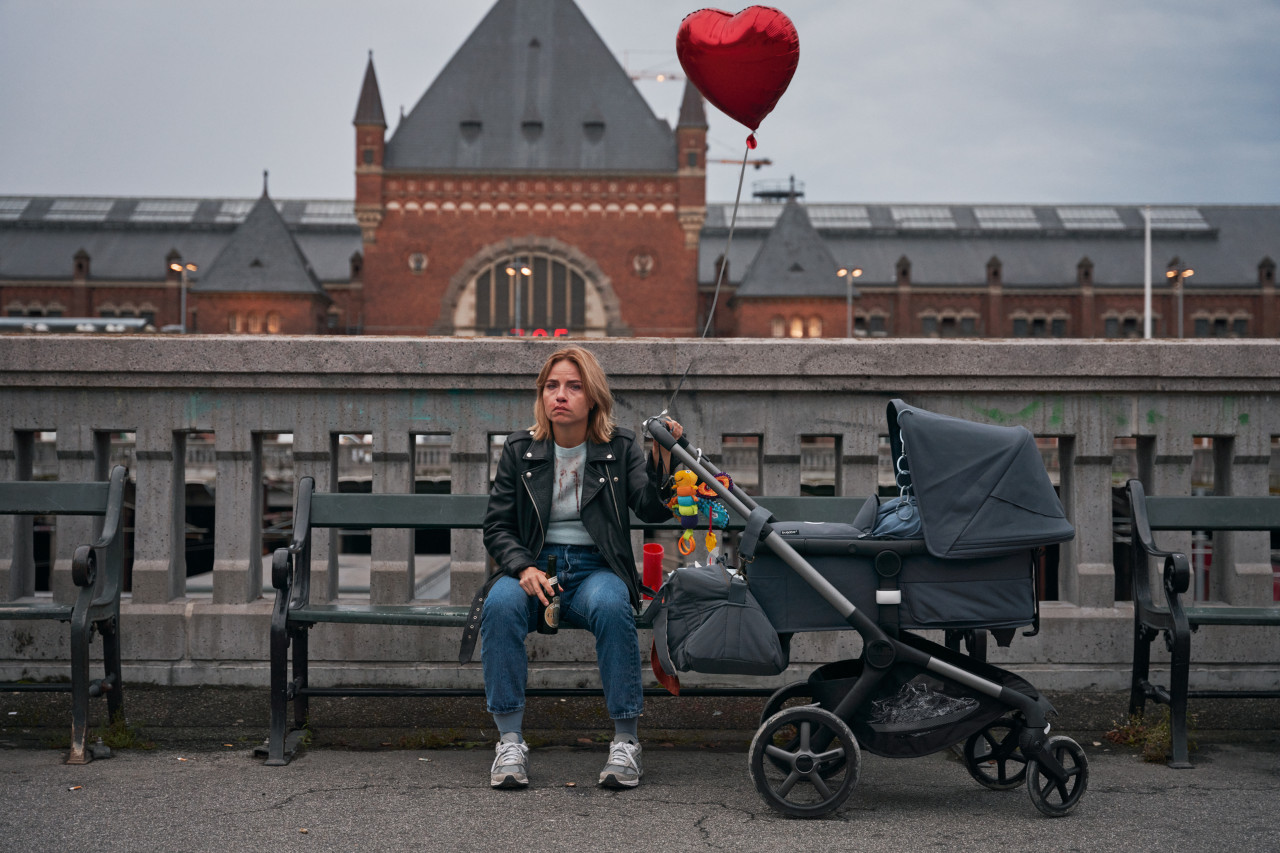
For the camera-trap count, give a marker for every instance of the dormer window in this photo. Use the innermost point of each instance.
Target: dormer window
(470, 129)
(593, 130)
(532, 129)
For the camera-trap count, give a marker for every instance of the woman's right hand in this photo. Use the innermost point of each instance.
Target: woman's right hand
(534, 581)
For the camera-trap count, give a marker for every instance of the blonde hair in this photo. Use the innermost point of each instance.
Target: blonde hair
(595, 385)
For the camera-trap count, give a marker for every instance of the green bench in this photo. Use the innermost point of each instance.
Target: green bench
(97, 606)
(294, 614)
(1177, 619)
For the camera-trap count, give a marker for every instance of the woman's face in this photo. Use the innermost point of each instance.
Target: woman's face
(565, 400)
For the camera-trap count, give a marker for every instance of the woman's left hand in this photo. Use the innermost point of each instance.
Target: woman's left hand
(660, 454)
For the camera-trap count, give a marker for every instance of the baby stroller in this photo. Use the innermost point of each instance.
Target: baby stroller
(983, 506)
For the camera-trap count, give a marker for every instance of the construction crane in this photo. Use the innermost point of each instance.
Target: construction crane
(754, 163)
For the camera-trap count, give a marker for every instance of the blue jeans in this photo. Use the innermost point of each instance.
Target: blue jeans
(591, 597)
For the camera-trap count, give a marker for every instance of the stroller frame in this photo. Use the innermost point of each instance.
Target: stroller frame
(805, 759)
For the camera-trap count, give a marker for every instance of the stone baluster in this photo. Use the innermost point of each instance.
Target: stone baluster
(75, 449)
(315, 455)
(1242, 572)
(1170, 477)
(159, 551)
(17, 565)
(779, 455)
(468, 475)
(237, 548)
(1086, 574)
(391, 575)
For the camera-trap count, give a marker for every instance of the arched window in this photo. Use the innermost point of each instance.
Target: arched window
(552, 295)
(797, 327)
(273, 322)
(254, 323)
(778, 326)
(233, 322)
(815, 327)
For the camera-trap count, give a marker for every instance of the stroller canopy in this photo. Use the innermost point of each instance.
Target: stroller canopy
(982, 490)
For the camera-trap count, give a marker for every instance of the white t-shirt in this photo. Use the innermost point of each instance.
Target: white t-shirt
(566, 527)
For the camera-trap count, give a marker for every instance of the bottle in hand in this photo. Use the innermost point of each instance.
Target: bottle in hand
(549, 613)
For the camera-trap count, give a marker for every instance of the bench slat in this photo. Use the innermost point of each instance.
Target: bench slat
(1213, 512)
(24, 497)
(466, 512)
(439, 615)
(34, 610)
(1209, 615)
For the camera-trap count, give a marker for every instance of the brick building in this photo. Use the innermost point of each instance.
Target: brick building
(533, 176)
(530, 175)
(995, 271)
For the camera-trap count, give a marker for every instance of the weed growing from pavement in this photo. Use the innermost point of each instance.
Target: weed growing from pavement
(119, 734)
(1153, 736)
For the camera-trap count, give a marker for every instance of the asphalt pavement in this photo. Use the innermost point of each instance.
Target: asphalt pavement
(221, 798)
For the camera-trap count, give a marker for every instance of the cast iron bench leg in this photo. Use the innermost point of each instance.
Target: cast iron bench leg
(110, 631)
(279, 691)
(300, 652)
(1142, 637)
(79, 686)
(1179, 668)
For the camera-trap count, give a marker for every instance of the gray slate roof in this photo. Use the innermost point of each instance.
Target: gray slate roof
(129, 238)
(792, 261)
(1039, 246)
(533, 88)
(260, 257)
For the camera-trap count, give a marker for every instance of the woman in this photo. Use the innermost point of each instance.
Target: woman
(565, 488)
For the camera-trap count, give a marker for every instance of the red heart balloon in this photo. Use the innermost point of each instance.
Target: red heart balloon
(741, 63)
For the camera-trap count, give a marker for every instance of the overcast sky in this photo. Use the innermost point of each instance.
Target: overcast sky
(1040, 101)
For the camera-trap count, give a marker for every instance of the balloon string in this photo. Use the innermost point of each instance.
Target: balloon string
(724, 265)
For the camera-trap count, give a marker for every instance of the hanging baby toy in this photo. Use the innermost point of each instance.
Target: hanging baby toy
(693, 500)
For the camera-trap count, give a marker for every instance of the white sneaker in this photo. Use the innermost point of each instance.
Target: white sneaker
(511, 764)
(622, 770)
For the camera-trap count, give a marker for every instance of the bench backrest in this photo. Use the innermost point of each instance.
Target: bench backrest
(358, 510)
(1213, 512)
(26, 497)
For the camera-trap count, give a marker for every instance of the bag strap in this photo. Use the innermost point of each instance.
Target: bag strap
(751, 533)
(471, 631)
(660, 637)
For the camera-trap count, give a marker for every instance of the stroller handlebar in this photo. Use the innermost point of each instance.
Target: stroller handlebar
(662, 435)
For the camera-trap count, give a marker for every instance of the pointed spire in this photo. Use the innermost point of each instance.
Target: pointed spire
(369, 109)
(264, 183)
(692, 111)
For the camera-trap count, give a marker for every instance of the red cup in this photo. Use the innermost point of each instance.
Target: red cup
(652, 566)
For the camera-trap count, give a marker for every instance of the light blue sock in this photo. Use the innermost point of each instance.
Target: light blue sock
(510, 723)
(629, 727)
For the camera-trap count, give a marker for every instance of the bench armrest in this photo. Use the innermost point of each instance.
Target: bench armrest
(84, 563)
(1177, 567)
(291, 565)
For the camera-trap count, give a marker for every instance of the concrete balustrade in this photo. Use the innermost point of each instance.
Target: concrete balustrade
(1085, 394)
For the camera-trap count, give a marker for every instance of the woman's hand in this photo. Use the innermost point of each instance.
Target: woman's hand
(661, 455)
(534, 581)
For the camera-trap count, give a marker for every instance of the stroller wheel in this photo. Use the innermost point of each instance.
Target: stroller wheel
(785, 696)
(992, 758)
(1047, 795)
(805, 761)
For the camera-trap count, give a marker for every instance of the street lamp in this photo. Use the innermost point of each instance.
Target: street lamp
(182, 270)
(1177, 273)
(848, 274)
(515, 269)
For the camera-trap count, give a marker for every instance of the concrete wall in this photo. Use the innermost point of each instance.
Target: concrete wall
(1083, 393)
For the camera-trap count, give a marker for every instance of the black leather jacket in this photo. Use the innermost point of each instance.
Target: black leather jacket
(616, 476)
